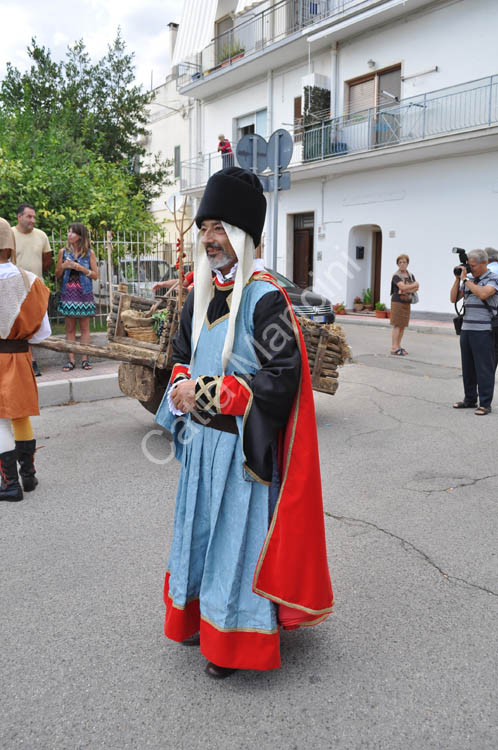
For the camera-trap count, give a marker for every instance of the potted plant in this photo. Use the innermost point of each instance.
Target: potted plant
(358, 304)
(380, 310)
(367, 299)
(339, 308)
(230, 52)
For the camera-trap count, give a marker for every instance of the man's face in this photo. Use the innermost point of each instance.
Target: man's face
(219, 251)
(26, 220)
(477, 269)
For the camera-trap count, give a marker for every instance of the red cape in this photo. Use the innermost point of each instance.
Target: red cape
(292, 569)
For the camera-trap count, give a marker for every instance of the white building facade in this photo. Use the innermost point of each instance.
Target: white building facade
(393, 108)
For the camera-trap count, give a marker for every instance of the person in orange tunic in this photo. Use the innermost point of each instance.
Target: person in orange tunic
(23, 321)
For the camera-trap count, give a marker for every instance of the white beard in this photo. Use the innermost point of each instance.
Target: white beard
(220, 261)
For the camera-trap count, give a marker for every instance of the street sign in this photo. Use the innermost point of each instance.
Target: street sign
(284, 182)
(251, 153)
(177, 201)
(281, 141)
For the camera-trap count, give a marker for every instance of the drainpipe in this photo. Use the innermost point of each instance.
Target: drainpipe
(333, 80)
(269, 103)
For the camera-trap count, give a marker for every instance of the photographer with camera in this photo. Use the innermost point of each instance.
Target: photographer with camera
(476, 338)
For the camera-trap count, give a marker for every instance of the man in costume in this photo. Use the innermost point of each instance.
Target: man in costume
(248, 552)
(23, 320)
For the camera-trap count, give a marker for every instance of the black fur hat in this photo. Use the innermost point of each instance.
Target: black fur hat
(234, 195)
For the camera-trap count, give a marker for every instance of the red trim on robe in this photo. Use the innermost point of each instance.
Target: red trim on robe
(292, 569)
(234, 396)
(237, 649)
(180, 623)
(179, 370)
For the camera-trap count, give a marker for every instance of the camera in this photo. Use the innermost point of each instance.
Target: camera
(464, 261)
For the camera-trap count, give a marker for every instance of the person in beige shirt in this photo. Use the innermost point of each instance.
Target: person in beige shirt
(32, 248)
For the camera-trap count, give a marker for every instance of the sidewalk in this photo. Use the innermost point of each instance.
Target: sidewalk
(56, 387)
(421, 325)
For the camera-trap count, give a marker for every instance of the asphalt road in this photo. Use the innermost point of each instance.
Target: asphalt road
(407, 661)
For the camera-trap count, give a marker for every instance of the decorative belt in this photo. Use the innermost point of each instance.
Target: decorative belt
(13, 346)
(222, 422)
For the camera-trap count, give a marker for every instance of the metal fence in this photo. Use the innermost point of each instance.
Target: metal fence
(137, 259)
(197, 171)
(259, 31)
(459, 108)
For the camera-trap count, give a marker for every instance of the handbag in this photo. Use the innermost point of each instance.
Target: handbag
(411, 297)
(457, 322)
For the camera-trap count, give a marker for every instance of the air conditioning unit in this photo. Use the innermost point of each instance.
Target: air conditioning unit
(316, 79)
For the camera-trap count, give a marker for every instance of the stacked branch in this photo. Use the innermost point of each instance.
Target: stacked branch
(327, 350)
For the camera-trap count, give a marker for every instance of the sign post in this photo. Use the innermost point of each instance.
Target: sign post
(255, 154)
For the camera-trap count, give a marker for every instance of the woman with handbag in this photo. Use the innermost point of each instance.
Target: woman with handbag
(77, 266)
(403, 288)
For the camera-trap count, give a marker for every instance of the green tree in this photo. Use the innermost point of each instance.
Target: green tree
(97, 108)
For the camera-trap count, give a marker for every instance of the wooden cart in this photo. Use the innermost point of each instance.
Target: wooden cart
(146, 366)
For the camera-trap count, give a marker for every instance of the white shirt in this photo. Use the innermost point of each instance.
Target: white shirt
(6, 271)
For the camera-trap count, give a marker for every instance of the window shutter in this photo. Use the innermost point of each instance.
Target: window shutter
(361, 95)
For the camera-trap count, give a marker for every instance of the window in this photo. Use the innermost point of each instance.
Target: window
(223, 39)
(255, 122)
(178, 163)
(378, 89)
(298, 119)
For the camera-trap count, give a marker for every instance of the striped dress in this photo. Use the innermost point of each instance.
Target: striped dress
(76, 300)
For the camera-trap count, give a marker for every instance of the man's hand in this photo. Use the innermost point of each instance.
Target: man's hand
(463, 275)
(183, 396)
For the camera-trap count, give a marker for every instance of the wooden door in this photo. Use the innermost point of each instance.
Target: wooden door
(376, 266)
(303, 257)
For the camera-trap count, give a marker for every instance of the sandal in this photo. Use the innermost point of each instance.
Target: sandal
(85, 364)
(464, 405)
(399, 353)
(404, 352)
(481, 411)
(68, 366)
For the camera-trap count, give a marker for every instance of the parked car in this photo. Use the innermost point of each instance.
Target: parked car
(140, 276)
(306, 303)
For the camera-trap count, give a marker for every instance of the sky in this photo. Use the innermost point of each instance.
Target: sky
(57, 23)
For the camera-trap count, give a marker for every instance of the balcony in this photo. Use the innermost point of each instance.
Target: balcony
(438, 113)
(259, 33)
(463, 109)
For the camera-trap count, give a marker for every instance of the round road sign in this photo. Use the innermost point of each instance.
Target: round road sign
(282, 140)
(251, 152)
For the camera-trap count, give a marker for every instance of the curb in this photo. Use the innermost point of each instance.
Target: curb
(72, 390)
(381, 323)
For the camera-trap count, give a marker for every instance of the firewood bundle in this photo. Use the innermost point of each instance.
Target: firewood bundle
(327, 350)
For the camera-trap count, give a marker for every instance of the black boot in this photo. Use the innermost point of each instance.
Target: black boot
(10, 489)
(25, 451)
(35, 367)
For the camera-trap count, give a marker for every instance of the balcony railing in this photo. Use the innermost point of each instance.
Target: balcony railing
(459, 108)
(426, 116)
(259, 32)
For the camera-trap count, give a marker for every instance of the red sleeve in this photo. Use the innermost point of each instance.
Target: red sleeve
(179, 372)
(234, 396)
(222, 395)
